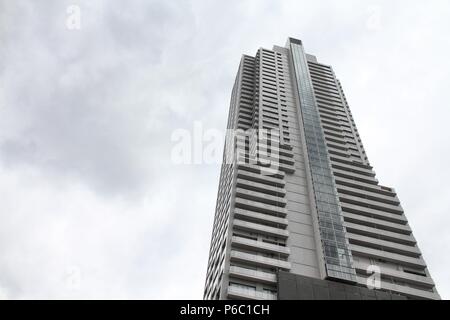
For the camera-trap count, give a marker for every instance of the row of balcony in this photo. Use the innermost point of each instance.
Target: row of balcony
(363, 186)
(353, 169)
(373, 213)
(253, 275)
(260, 217)
(260, 207)
(354, 176)
(259, 260)
(259, 178)
(357, 200)
(275, 163)
(235, 292)
(384, 245)
(379, 233)
(388, 256)
(366, 194)
(260, 170)
(260, 187)
(380, 224)
(403, 290)
(260, 228)
(261, 246)
(260, 197)
(425, 281)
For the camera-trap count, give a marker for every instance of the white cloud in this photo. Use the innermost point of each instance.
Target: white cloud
(90, 205)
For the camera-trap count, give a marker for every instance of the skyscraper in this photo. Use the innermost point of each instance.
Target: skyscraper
(300, 214)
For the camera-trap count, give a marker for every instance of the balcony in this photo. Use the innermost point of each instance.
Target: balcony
(354, 176)
(387, 246)
(397, 209)
(399, 275)
(279, 164)
(379, 233)
(379, 224)
(260, 207)
(251, 167)
(404, 290)
(257, 177)
(273, 156)
(259, 217)
(261, 197)
(262, 246)
(281, 151)
(252, 275)
(260, 187)
(388, 256)
(373, 213)
(272, 166)
(235, 292)
(363, 193)
(365, 186)
(260, 228)
(259, 260)
(353, 169)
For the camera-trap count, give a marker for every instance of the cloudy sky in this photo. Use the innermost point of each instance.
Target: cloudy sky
(91, 205)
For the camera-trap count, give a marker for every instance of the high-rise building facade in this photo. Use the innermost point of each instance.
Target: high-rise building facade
(315, 223)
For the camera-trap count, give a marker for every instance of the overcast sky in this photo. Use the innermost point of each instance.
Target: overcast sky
(91, 205)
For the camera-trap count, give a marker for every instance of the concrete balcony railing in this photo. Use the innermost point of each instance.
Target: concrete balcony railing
(260, 207)
(354, 176)
(353, 169)
(338, 159)
(260, 228)
(251, 176)
(262, 246)
(261, 197)
(403, 229)
(373, 213)
(276, 165)
(388, 246)
(361, 185)
(388, 256)
(259, 260)
(264, 155)
(397, 209)
(404, 290)
(332, 108)
(279, 163)
(379, 233)
(399, 275)
(361, 192)
(255, 168)
(260, 187)
(235, 292)
(334, 145)
(249, 274)
(260, 217)
(281, 151)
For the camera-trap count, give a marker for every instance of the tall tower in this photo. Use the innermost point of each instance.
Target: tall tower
(315, 223)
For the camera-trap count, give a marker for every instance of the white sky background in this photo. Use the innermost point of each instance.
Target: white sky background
(91, 205)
